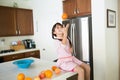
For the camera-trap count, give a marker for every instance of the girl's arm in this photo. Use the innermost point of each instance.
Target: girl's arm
(71, 50)
(65, 31)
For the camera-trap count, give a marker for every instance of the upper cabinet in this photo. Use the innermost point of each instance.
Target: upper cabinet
(24, 21)
(15, 21)
(74, 8)
(7, 21)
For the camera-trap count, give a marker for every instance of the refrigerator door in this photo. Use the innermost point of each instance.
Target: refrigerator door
(79, 36)
(75, 36)
(74, 33)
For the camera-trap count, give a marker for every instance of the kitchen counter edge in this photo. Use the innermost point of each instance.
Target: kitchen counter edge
(18, 52)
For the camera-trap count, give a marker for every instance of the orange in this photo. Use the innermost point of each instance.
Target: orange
(36, 78)
(28, 78)
(43, 72)
(54, 67)
(21, 76)
(57, 71)
(64, 16)
(48, 73)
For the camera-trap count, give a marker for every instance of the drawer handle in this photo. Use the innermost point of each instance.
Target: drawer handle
(32, 53)
(14, 57)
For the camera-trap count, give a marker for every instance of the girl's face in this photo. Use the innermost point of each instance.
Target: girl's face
(58, 31)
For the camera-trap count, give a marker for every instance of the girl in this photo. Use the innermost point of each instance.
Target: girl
(65, 60)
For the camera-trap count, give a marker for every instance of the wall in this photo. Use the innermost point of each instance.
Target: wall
(105, 48)
(112, 44)
(99, 45)
(8, 40)
(45, 13)
(105, 41)
(119, 32)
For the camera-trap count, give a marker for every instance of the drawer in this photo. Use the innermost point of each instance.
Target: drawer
(1, 59)
(35, 54)
(13, 57)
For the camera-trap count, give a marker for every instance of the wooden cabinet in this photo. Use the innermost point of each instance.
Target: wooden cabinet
(24, 21)
(75, 8)
(7, 21)
(69, 7)
(35, 54)
(73, 77)
(15, 21)
(11, 57)
(1, 59)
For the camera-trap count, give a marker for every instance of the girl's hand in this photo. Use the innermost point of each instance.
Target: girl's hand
(65, 34)
(65, 31)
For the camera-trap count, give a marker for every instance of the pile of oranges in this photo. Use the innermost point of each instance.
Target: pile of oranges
(21, 76)
(56, 69)
(43, 74)
(49, 72)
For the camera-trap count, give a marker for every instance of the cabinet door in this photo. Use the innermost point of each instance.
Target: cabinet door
(88, 6)
(7, 21)
(83, 7)
(25, 21)
(1, 59)
(35, 54)
(69, 7)
(76, 8)
(73, 77)
(13, 57)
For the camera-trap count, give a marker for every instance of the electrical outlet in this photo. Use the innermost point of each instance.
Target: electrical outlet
(2, 41)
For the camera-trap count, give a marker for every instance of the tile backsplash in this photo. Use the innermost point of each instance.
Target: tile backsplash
(5, 42)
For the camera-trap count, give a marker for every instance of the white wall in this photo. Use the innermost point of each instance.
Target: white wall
(99, 45)
(46, 14)
(119, 32)
(105, 41)
(112, 44)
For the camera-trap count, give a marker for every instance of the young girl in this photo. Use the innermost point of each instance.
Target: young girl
(65, 60)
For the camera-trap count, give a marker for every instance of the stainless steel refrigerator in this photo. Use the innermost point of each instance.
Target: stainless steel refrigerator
(80, 34)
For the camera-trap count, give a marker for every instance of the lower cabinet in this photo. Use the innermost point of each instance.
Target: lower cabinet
(1, 59)
(11, 57)
(35, 54)
(74, 77)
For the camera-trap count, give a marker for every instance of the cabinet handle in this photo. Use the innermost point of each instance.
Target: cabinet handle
(78, 11)
(19, 32)
(74, 12)
(32, 53)
(16, 32)
(14, 57)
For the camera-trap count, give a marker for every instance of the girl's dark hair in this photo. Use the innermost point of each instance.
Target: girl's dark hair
(53, 29)
(53, 35)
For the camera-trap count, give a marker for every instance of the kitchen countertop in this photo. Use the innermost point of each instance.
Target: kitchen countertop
(19, 51)
(9, 71)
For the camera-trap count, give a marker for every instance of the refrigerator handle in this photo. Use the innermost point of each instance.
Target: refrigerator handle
(71, 32)
(73, 38)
